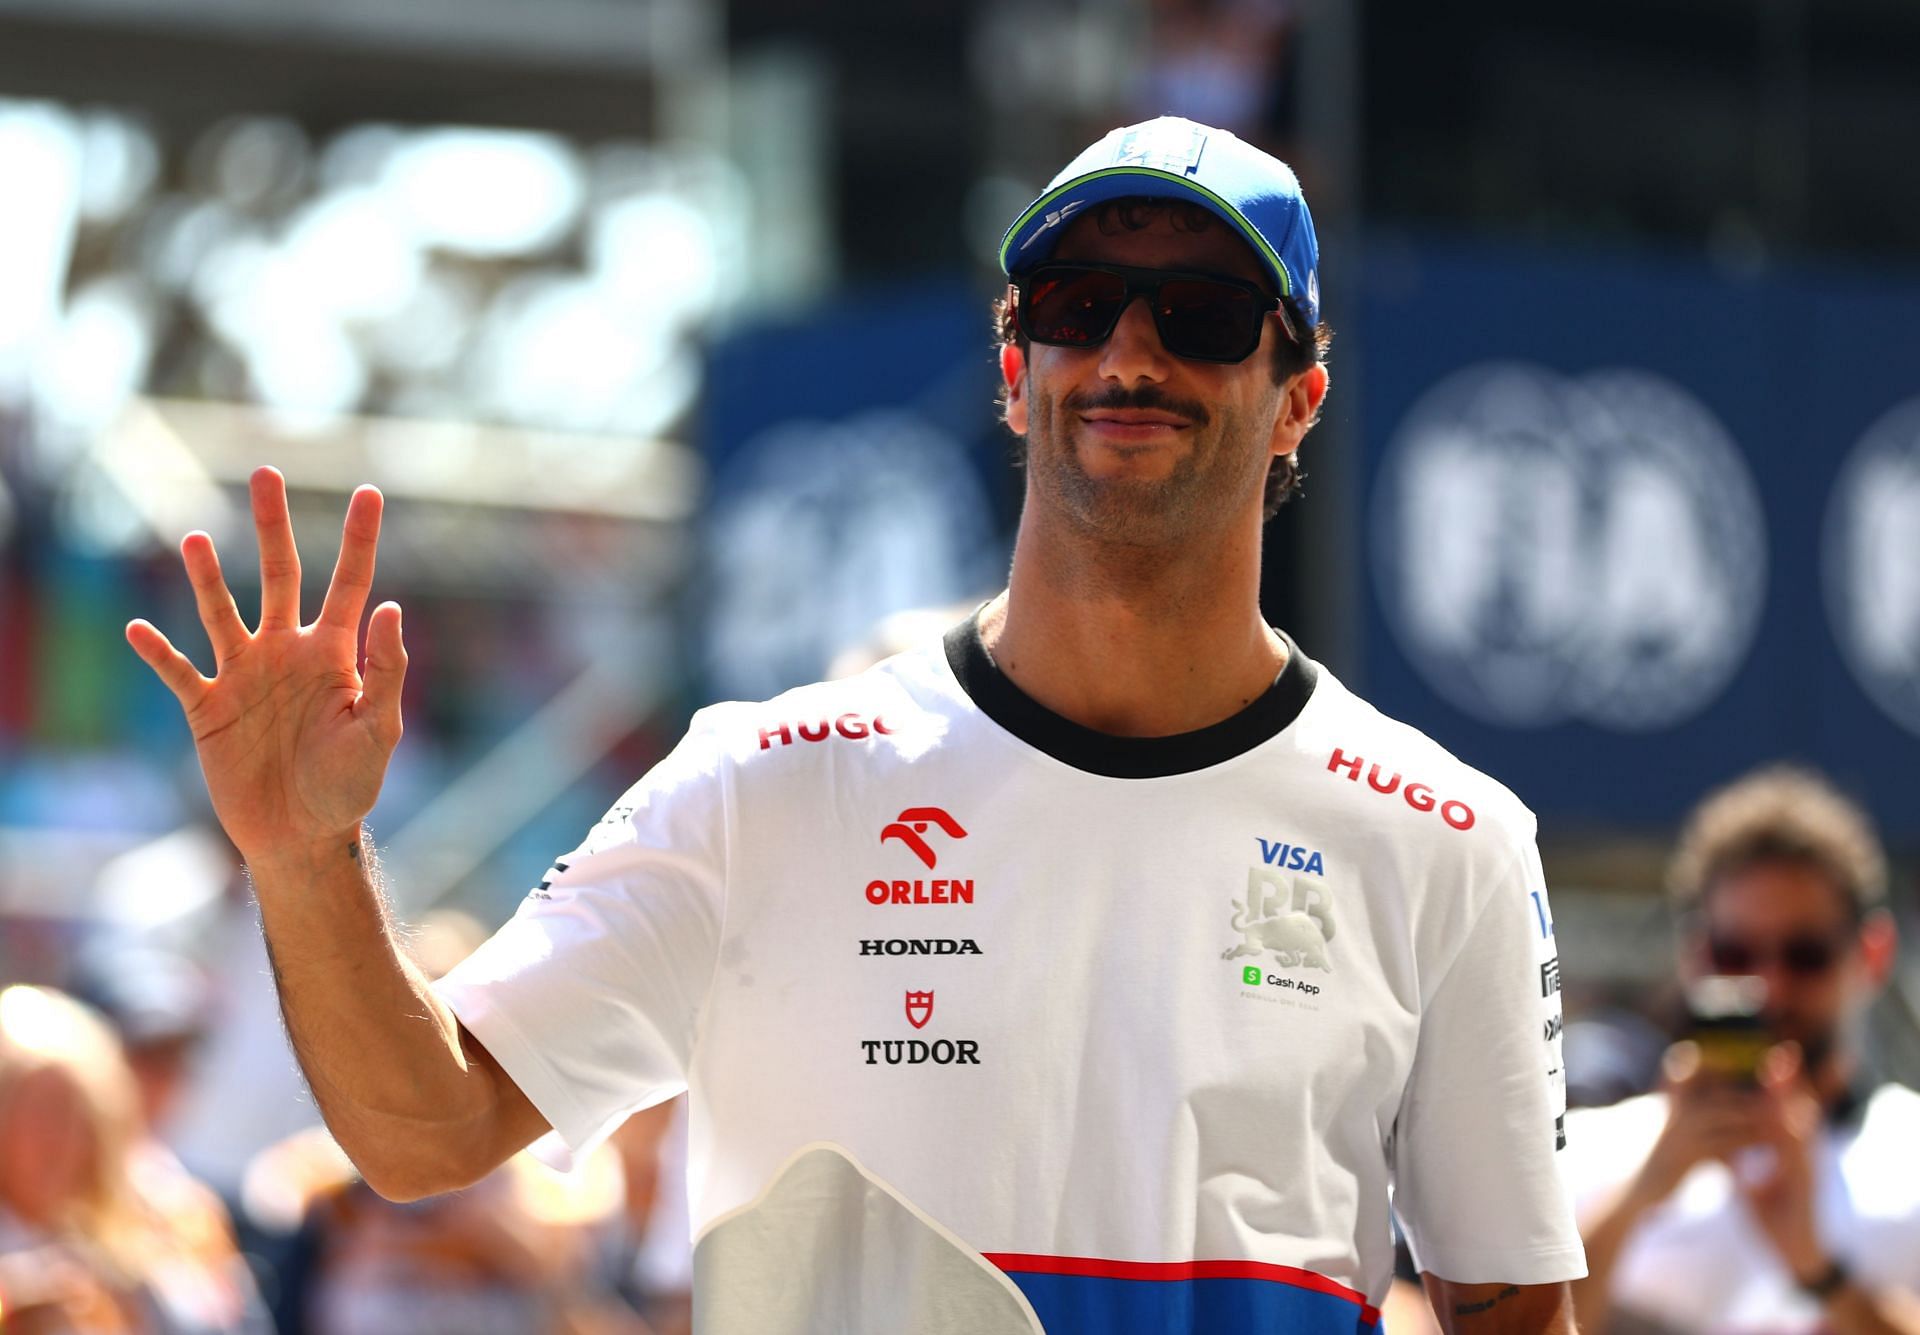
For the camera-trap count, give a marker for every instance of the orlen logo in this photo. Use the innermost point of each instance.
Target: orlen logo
(913, 823)
(853, 727)
(1418, 796)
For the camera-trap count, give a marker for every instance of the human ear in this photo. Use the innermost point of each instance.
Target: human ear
(1013, 370)
(1300, 400)
(1879, 942)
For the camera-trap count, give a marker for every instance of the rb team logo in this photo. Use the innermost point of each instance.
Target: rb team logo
(1287, 918)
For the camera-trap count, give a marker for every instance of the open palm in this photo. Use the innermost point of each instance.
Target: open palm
(293, 737)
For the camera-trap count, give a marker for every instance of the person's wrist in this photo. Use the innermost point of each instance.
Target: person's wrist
(1823, 1279)
(307, 855)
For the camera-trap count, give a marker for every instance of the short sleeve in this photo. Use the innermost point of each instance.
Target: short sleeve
(590, 995)
(1607, 1146)
(1475, 1182)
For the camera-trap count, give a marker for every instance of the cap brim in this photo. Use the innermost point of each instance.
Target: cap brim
(1034, 234)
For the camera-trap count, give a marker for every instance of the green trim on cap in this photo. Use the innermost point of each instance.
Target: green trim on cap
(1232, 215)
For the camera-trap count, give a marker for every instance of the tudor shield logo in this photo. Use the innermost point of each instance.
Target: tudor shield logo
(914, 822)
(919, 1009)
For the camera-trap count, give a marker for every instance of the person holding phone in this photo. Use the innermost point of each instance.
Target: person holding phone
(1768, 1185)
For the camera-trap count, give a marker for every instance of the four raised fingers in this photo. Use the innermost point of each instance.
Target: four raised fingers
(346, 596)
(353, 572)
(279, 558)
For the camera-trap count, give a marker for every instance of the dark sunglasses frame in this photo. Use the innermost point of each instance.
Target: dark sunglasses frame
(1804, 956)
(1147, 283)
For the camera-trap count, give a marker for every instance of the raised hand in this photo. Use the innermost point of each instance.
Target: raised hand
(1707, 1118)
(293, 736)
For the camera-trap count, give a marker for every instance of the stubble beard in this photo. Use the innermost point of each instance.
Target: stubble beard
(1200, 492)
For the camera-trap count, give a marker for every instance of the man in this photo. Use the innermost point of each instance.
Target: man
(1097, 968)
(1785, 1200)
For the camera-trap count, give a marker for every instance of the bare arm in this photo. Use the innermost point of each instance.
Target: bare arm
(418, 1105)
(1854, 1309)
(1706, 1120)
(1500, 1309)
(1781, 1202)
(1407, 1311)
(294, 739)
(1605, 1235)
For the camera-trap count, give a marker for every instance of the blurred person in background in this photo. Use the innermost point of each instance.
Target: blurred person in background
(525, 1251)
(157, 1004)
(648, 1250)
(232, 1085)
(1777, 1191)
(72, 1236)
(518, 1253)
(1221, 62)
(94, 1239)
(1147, 1094)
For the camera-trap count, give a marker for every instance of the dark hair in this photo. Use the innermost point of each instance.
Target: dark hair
(1133, 214)
(1779, 814)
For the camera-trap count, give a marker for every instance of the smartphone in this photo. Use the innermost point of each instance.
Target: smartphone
(1726, 1021)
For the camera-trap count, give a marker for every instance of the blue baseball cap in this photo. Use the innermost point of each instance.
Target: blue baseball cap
(1174, 158)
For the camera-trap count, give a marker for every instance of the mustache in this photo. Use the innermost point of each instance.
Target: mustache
(1146, 398)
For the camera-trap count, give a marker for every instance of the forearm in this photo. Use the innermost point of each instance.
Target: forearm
(1855, 1309)
(1604, 1236)
(1500, 1309)
(416, 1110)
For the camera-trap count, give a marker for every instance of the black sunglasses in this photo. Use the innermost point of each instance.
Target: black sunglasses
(1804, 956)
(1202, 317)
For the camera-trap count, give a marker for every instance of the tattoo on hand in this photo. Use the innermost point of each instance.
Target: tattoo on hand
(1468, 1309)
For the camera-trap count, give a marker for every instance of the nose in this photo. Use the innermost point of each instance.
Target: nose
(1132, 352)
(1782, 986)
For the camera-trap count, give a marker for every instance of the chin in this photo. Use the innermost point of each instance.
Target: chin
(1148, 463)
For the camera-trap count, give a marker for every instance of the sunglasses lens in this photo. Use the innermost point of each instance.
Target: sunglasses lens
(1073, 308)
(1730, 957)
(1207, 321)
(1808, 955)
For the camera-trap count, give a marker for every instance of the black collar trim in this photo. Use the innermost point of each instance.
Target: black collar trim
(1126, 757)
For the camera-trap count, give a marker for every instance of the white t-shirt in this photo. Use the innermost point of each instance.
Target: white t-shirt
(993, 1022)
(1699, 1261)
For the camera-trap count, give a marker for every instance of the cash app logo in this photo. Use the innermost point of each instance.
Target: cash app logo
(1250, 976)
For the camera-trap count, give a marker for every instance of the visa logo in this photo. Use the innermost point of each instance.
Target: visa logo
(1292, 857)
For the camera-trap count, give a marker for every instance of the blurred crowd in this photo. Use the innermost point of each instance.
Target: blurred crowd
(1740, 1167)
(163, 1171)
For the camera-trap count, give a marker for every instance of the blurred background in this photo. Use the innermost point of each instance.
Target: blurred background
(663, 325)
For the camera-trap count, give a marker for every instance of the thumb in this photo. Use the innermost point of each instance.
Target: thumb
(386, 671)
